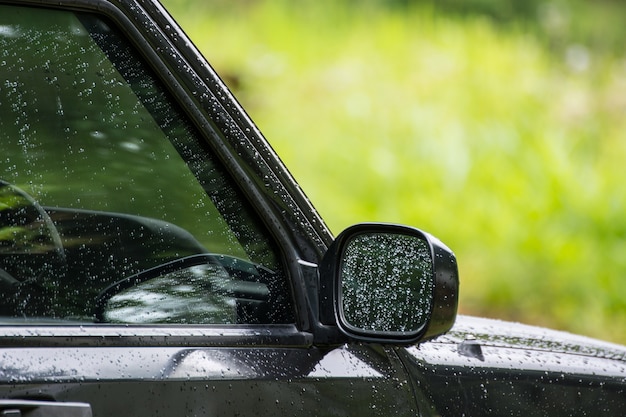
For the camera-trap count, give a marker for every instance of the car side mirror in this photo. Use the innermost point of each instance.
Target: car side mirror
(388, 283)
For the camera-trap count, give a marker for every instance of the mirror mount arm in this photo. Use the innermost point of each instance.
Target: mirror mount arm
(329, 335)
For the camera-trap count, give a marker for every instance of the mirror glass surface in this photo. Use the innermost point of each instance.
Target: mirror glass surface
(386, 282)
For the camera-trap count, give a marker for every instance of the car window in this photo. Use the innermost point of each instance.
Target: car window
(112, 208)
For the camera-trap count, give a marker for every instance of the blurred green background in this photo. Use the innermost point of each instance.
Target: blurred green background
(497, 125)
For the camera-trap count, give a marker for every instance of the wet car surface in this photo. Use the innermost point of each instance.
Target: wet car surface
(156, 258)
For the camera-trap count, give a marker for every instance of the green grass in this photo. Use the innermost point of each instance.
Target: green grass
(508, 148)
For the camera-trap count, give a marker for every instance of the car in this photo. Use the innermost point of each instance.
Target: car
(158, 259)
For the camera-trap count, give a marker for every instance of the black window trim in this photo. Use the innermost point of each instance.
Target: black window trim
(153, 335)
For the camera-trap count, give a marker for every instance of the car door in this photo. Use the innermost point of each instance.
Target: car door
(150, 261)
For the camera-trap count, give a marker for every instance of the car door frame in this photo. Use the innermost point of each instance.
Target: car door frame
(288, 215)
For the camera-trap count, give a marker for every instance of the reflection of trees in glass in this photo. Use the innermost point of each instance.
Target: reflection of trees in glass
(386, 282)
(84, 124)
(12, 233)
(24, 225)
(73, 129)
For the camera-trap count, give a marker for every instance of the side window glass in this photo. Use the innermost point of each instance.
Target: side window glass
(112, 207)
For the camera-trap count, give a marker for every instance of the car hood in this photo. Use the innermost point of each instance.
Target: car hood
(496, 333)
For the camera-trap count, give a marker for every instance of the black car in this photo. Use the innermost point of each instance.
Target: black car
(157, 259)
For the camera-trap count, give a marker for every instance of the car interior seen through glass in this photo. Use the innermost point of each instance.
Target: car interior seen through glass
(112, 206)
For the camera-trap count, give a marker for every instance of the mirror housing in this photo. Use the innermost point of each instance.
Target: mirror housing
(388, 283)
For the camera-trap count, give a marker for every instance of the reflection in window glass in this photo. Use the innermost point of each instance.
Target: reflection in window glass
(93, 143)
(187, 296)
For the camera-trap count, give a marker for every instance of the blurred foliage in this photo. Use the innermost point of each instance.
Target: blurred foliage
(497, 126)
